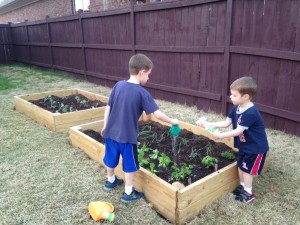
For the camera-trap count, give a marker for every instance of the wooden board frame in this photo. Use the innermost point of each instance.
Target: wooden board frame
(59, 121)
(177, 205)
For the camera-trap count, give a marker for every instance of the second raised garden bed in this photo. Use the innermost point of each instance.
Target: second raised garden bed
(178, 205)
(57, 121)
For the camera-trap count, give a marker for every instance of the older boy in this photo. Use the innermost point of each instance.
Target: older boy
(249, 135)
(126, 103)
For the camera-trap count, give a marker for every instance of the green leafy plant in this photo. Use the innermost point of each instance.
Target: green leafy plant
(47, 98)
(228, 155)
(83, 102)
(193, 154)
(141, 155)
(77, 98)
(184, 141)
(181, 173)
(152, 168)
(143, 161)
(209, 161)
(209, 147)
(164, 160)
(154, 154)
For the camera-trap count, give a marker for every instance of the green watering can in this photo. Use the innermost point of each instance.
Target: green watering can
(175, 130)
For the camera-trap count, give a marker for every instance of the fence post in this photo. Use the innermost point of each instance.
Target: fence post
(49, 40)
(10, 43)
(82, 43)
(27, 42)
(227, 55)
(132, 2)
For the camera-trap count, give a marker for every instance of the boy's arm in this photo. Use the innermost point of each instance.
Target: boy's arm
(232, 133)
(106, 115)
(221, 124)
(163, 117)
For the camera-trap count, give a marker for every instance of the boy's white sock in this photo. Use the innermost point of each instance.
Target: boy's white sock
(128, 189)
(249, 190)
(111, 179)
(243, 184)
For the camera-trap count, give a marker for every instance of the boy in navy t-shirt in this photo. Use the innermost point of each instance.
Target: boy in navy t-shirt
(249, 135)
(126, 103)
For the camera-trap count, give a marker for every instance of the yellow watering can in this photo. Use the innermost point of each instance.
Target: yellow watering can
(101, 211)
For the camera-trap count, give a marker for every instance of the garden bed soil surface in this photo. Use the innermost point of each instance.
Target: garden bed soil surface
(191, 149)
(70, 103)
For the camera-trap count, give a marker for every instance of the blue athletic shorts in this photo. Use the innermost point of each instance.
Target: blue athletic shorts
(251, 163)
(114, 149)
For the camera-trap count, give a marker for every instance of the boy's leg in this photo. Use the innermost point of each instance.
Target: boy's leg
(130, 194)
(112, 180)
(130, 166)
(248, 179)
(250, 165)
(111, 160)
(241, 187)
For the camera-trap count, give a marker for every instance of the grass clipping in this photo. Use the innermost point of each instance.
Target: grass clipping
(44, 180)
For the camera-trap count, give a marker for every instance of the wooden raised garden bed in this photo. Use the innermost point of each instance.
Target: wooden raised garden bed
(175, 204)
(60, 121)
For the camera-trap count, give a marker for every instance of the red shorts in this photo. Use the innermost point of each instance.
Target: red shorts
(251, 163)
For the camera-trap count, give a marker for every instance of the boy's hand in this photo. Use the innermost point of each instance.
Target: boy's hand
(175, 121)
(202, 122)
(217, 136)
(102, 131)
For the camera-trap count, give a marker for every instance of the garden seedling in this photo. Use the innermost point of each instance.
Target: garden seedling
(164, 160)
(181, 173)
(228, 155)
(209, 161)
(154, 154)
(152, 169)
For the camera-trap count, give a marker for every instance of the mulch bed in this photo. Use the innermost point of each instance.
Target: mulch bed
(192, 149)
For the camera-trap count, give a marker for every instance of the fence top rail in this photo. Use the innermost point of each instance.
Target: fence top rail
(118, 11)
(172, 4)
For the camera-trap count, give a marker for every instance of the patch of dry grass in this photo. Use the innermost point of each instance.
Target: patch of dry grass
(44, 180)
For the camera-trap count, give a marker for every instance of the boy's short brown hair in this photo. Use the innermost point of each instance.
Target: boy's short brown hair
(245, 85)
(139, 62)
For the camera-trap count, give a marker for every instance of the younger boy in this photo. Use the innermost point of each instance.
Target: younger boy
(249, 135)
(126, 103)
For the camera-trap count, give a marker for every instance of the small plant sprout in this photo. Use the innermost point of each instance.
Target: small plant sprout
(154, 154)
(194, 153)
(77, 98)
(228, 155)
(47, 98)
(181, 173)
(209, 147)
(142, 160)
(164, 160)
(209, 161)
(152, 168)
(141, 153)
(83, 102)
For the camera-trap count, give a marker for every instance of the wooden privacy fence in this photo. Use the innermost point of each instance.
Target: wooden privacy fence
(198, 48)
(5, 44)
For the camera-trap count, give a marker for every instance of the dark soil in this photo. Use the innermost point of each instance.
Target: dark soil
(192, 149)
(66, 104)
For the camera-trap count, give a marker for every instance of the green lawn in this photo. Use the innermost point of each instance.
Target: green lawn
(44, 180)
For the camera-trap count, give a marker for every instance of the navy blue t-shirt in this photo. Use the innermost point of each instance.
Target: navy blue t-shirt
(127, 103)
(254, 139)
